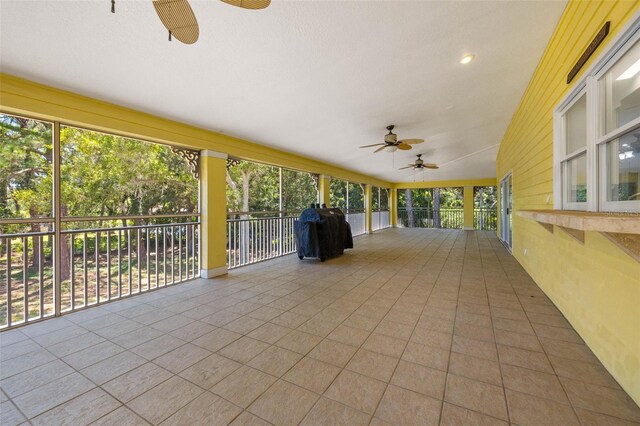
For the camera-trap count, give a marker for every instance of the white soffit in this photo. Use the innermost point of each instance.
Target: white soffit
(317, 78)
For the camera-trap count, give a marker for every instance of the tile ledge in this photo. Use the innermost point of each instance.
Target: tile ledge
(622, 223)
(623, 229)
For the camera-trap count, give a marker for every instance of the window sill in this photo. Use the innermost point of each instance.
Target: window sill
(621, 228)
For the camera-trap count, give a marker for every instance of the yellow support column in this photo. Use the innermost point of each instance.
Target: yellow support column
(324, 188)
(367, 209)
(468, 208)
(393, 207)
(213, 200)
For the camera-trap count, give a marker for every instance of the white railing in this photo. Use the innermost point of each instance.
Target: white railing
(26, 276)
(380, 220)
(256, 239)
(356, 219)
(375, 220)
(97, 264)
(385, 219)
(426, 217)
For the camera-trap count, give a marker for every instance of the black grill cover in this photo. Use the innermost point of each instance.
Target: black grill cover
(322, 233)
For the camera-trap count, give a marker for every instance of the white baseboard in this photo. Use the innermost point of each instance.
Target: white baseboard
(215, 272)
(468, 228)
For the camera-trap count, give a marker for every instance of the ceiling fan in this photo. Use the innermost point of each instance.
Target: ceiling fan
(391, 142)
(179, 19)
(420, 164)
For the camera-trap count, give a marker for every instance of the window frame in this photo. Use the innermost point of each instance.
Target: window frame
(590, 86)
(565, 157)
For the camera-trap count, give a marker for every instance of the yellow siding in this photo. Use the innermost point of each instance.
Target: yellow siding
(20, 96)
(445, 183)
(595, 285)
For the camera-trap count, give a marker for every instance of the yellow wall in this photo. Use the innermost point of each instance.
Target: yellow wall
(595, 285)
(20, 96)
(446, 183)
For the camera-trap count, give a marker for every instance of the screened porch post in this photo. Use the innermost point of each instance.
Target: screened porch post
(367, 209)
(213, 201)
(393, 207)
(468, 207)
(324, 189)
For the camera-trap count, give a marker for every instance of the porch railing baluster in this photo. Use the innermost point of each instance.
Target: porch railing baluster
(33, 252)
(9, 298)
(25, 278)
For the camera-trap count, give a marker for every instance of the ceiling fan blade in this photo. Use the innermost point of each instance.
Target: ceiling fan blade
(178, 17)
(379, 149)
(249, 4)
(404, 146)
(408, 167)
(431, 166)
(412, 141)
(375, 144)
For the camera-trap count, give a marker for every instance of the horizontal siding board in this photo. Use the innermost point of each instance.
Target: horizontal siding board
(593, 283)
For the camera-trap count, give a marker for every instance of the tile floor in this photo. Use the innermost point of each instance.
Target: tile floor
(413, 327)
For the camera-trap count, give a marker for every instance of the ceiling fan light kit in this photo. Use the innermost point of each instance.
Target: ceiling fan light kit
(179, 19)
(420, 164)
(392, 144)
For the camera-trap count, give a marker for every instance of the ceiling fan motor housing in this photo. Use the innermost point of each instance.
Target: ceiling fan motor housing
(390, 137)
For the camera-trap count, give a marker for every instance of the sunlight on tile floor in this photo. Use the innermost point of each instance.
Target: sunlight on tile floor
(413, 327)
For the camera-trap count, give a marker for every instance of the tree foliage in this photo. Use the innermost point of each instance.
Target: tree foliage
(107, 175)
(25, 168)
(449, 198)
(485, 197)
(100, 174)
(255, 187)
(346, 195)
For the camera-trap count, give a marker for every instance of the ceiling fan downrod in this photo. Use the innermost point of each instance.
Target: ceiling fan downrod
(113, 6)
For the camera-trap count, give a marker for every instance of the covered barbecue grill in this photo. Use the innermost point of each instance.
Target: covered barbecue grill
(322, 233)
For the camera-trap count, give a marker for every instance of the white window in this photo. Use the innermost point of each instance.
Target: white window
(619, 141)
(597, 133)
(573, 153)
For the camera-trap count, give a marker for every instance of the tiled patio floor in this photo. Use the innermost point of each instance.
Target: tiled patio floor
(413, 327)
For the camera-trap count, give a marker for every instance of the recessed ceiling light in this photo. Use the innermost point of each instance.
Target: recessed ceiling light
(466, 59)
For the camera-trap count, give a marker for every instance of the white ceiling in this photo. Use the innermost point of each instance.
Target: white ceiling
(317, 78)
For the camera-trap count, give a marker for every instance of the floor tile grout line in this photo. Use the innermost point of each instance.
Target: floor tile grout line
(379, 321)
(333, 291)
(323, 338)
(281, 377)
(446, 383)
(504, 389)
(414, 327)
(573, 408)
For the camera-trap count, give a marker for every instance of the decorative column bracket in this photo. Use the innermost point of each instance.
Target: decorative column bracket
(232, 162)
(192, 157)
(315, 178)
